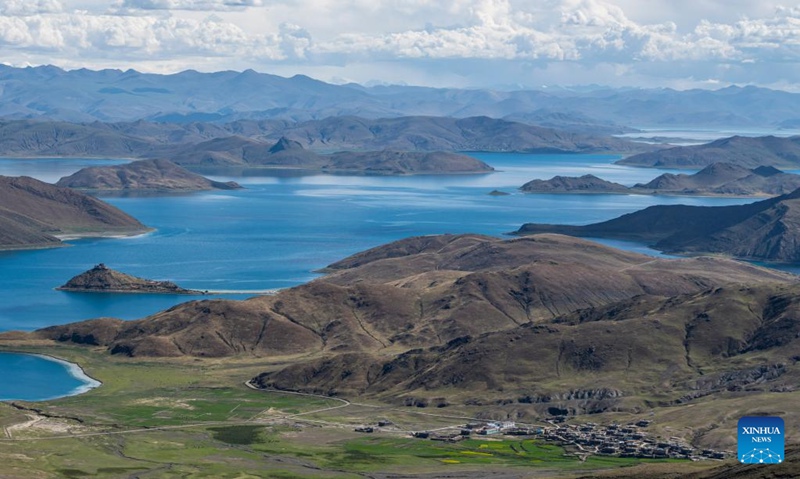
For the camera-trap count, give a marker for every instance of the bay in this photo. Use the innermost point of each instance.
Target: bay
(29, 377)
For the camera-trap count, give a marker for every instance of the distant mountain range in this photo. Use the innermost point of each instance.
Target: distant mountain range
(767, 230)
(718, 179)
(113, 95)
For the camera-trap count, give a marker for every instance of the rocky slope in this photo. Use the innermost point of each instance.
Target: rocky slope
(682, 349)
(158, 175)
(101, 279)
(33, 214)
(767, 230)
(741, 151)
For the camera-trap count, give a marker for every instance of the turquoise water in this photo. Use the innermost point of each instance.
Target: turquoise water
(278, 230)
(36, 378)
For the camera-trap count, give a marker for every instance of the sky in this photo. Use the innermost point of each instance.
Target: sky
(460, 43)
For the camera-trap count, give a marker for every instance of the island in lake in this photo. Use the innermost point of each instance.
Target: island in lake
(102, 279)
(143, 175)
(34, 214)
(717, 179)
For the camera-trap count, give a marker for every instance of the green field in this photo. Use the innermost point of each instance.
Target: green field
(197, 419)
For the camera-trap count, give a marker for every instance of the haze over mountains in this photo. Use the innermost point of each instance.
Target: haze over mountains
(114, 95)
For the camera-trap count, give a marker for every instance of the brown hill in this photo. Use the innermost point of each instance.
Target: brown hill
(765, 230)
(416, 293)
(142, 175)
(700, 361)
(102, 279)
(33, 214)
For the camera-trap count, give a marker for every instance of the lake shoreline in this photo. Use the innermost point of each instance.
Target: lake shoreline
(73, 369)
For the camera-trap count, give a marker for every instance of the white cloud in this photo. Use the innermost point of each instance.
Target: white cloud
(200, 5)
(29, 7)
(664, 39)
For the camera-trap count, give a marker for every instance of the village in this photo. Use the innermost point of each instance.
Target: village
(630, 440)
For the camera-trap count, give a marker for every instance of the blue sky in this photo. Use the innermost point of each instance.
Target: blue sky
(461, 43)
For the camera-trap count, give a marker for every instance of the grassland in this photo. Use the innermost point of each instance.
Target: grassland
(197, 419)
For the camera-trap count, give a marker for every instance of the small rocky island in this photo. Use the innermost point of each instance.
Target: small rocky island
(102, 279)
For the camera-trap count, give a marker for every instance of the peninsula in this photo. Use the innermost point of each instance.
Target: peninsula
(34, 214)
(766, 230)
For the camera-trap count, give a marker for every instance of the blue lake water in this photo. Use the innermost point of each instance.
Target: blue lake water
(283, 227)
(29, 377)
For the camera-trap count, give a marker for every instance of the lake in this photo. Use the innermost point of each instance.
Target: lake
(281, 228)
(29, 377)
(285, 225)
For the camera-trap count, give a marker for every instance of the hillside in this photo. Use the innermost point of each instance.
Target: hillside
(523, 328)
(33, 214)
(767, 230)
(102, 279)
(680, 349)
(159, 175)
(740, 151)
(717, 179)
(415, 293)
